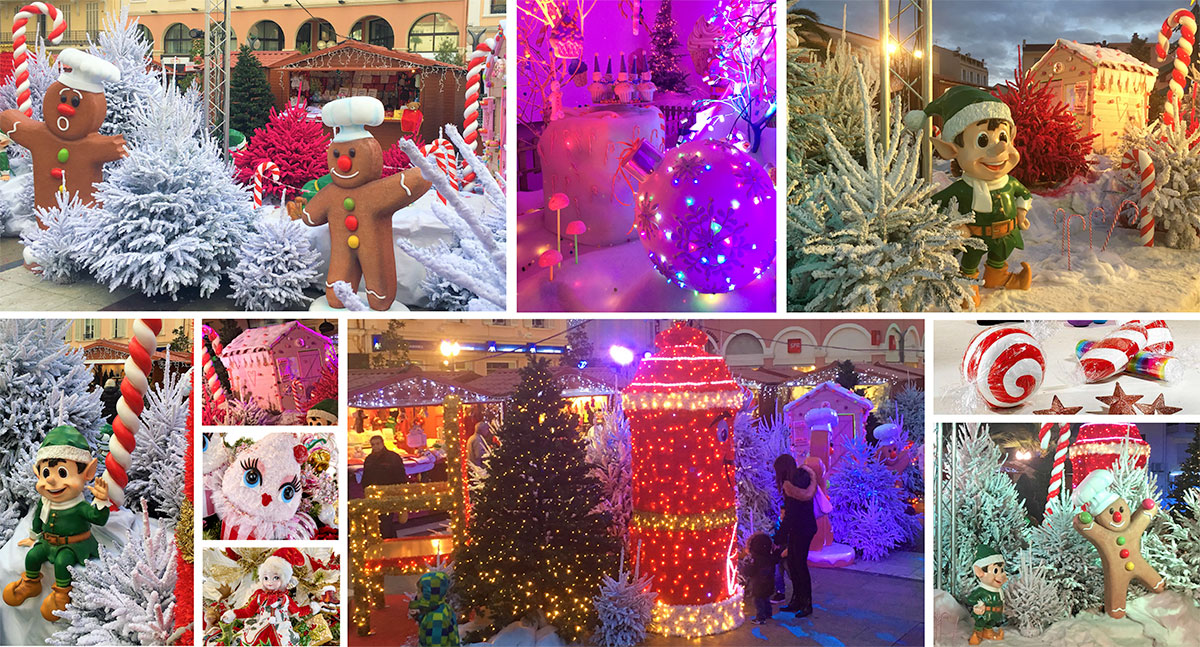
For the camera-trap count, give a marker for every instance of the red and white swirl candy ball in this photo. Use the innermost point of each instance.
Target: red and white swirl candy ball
(1005, 364)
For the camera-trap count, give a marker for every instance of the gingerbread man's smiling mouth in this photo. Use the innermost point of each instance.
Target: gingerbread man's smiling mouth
(63, 124)
(344, 177)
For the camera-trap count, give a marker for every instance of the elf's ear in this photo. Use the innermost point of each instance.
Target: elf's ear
(89, 472)
(978, 571)
(947, 150)
(35, 470)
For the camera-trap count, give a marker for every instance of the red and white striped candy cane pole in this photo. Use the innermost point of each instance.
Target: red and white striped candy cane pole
(1145, 220)
(475, 68)
(1060, 459)
(58, 26)
(1183, 57)
(138, 367)
(1044, 435)
(210, 368)
(260, 172)
(443, 155)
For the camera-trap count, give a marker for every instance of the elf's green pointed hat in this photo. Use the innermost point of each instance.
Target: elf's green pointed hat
(65, 442)
(959, 107)
(986, 555)
(325, 410)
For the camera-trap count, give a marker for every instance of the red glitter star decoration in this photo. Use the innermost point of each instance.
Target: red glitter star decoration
(1057, 409)
(1158, 407)
(1119, 403)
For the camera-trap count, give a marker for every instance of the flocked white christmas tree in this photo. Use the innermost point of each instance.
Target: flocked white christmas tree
(43, 383)
(868, 238)
(827, 94)
(869, 507)
(757, 442)
(173, 218)
(1032, 601)
(125, 597)
(157, 466)
(624, 608)
(56, 247)
(1175, 200)
(1071, 563)
(122, 43)
(476, 262)
(610, 453)
(986, 508)
(278, 263)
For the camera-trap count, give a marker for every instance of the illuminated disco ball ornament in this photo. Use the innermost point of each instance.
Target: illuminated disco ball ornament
(1098, 445)
(680, 406)
(705, 213)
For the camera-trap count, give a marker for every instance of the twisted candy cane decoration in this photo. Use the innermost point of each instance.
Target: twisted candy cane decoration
(475, 68)
(443, 154)
(1145, 220)
(260, 171)
(21, 52)
(1060, 459)
(1183, 57)
(210, 369)
(134, 385)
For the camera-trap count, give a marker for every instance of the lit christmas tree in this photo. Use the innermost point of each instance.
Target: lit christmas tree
(1188, 477)
(663, 59)
(538, 543)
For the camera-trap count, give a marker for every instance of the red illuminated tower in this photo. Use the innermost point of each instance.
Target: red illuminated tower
(680, 407)
(1099, 444)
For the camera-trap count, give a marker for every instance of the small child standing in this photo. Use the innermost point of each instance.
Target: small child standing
(758, 570)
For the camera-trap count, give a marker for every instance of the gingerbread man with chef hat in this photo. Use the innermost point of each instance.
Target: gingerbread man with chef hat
(1115, 529)
(358, 203)
(68, 150)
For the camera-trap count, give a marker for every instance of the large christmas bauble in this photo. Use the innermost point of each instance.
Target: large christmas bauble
(706, 215)
(1005, 364)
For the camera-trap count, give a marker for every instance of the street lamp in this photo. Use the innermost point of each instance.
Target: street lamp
(450, 350)
(622, 357)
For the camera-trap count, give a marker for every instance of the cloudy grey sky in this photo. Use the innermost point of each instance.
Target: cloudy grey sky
(993, 29)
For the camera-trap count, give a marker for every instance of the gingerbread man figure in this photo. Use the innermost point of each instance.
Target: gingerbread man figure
(358, 204)
(68, 150)
(1109, 524)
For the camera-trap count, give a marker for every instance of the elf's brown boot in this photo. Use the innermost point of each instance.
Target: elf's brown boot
(976, 638)
(56, 601)
(18, 592)
(996, 634)
(974, 291)
(1020, 281)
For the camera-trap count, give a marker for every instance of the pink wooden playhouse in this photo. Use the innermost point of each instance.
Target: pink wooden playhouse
(266, 363)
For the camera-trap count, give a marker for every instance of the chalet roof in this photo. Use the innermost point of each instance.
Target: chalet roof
(574, 381)
(264, 338)
(1100, 57)
(110, 349)
(356, 55)
(391, 388)
(267, 59)
(825, 389)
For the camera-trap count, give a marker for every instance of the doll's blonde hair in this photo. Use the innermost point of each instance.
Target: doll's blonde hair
(280, 566)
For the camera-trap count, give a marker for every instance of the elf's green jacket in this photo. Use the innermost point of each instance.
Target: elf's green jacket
(1005, 201)
(993, 613)
(66, 523)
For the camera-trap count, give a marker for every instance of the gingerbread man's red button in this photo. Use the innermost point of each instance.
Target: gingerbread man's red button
(352, 223)
(1124, 553)
(56, 173)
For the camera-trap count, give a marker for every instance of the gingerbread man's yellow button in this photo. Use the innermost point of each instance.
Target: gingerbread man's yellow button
(352, 242)
(1129, 566)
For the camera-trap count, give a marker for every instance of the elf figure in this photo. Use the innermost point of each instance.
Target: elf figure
(62, 519)
(978, 133)
(986, 601)
(357, 204)
(68, 150)
(430, 607)
(322, 414)
(269, 611)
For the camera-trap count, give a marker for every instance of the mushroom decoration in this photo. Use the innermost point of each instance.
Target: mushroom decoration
(549, 259)
(558, 202)
(574, 228)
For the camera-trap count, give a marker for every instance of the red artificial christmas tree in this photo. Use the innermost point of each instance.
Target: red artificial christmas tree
(680, 407)
(395, 160)
(184, 548)
(1052, 145)
(292, 140)
(1099, 444)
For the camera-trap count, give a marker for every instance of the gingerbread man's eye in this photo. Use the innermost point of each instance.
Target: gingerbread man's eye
(62, 99)
(351, 153)
(75, 101)
(336, 153)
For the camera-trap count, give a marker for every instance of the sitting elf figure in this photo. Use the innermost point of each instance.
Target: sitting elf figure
(978, 133)
(62, 519)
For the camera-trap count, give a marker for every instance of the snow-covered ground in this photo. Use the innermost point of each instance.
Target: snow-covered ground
(1168, 619)
(1124, 277)
(1063, 377)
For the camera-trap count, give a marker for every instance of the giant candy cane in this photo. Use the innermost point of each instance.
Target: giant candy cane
(263, 169)
(58, 26)
(1183, 57)
(1060, 459)
(210, 370)
(1140, 160)
(134, 385)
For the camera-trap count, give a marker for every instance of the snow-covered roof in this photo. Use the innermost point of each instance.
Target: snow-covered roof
(1100, 57)
(821, 391)
(265, 338)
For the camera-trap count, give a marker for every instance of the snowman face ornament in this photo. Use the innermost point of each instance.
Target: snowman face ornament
(263, 482)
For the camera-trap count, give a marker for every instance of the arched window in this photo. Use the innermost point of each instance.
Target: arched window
(429, 33)
(178, 40)
(315, 34)
(374, 31)
(145, 32)
(266, 36)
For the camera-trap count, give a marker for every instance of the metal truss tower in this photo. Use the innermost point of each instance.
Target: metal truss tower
(216, 70)
(906, 60)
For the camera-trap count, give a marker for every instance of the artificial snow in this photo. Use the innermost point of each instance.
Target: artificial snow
(1124, 277)
(520, 634)
(1161, 620)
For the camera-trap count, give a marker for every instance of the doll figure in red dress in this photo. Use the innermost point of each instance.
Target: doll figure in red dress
(269, 611)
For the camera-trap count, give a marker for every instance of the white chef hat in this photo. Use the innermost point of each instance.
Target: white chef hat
(88, 73)
(348, 116)
(1095, 490)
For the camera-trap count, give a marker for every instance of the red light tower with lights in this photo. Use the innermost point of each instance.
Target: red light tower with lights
(680, 407)
(1098, 445)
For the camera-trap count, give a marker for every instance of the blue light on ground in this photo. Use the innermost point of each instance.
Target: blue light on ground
(757, 633)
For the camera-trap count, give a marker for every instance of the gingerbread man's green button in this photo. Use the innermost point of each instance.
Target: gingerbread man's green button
(63, 154)
(348, 204)
(1120, 541)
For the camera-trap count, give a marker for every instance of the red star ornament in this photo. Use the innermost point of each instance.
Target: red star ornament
(1119, 403)
(1057, 409)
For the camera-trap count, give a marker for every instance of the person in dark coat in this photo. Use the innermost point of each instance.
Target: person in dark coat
(784, 464)
(795, 535)
(758, 570)
(383, 467)
(108, 399)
